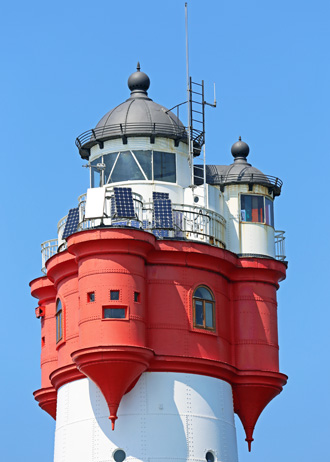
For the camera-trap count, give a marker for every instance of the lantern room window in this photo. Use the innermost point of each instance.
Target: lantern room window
(133, 165)
(257, 209)
(204, 308)
(59, 321)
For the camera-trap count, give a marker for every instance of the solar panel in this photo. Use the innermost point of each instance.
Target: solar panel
(124, 203)
(163, 218)
(112, 207)
(130, 223)
(161, 232)
(71, 223)
(160, 195)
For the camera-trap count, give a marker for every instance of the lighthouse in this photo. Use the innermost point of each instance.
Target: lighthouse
(158, 302)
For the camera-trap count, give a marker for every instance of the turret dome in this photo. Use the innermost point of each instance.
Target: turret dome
(240, 171)
(137, 116)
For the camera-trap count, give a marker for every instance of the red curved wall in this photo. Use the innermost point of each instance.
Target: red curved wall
(158, 330)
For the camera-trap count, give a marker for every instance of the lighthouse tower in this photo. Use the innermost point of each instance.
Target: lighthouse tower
(158, 301)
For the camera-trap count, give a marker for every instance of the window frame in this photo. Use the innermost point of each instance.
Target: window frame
(112, 293)
(90, 296)
(204, 301)
(115, 307)
(264, 197)
(59, 321)
(103, 180)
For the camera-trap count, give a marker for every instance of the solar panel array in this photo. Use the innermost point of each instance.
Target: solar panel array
(123, 203)
(160, 195)
(71, 223)
(163, 218)
(130, 223)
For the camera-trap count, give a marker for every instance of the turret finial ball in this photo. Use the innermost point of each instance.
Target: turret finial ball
(240, 149)
(138, 80)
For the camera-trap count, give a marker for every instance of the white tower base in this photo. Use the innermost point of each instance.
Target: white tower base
(167, 416)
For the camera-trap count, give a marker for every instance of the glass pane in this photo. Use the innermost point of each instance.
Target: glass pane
(257, 209)
(114, 313)
(209, 315)
(114, 294)
(126, 169)
(58, 305)
(199, 314)
(246, 208)
(164, 166)
(203, 292)
(109, 160)
(269, 212)
(58, 326)
(144, 159)
(96, 178)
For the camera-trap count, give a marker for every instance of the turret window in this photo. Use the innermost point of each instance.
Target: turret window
(203, 308)
(59, 321)
(257, 209)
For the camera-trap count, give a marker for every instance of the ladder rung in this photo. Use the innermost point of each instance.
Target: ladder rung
(198, 121)
(195, 83)
(196, 92)
(197, 112)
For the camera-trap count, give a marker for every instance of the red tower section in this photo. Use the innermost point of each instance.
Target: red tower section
(147, 285)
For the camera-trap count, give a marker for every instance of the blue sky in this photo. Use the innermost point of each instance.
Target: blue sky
(64, 65)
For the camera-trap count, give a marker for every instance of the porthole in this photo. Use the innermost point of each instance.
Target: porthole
(119, 455)
(209, 456)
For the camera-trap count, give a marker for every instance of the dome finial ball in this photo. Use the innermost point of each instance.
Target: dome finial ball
(138, 81)
(240, 149)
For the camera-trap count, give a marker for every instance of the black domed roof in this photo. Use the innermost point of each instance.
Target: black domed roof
(240, 171)
(137, 116)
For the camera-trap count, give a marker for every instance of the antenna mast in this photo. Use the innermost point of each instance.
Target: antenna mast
(188, 96)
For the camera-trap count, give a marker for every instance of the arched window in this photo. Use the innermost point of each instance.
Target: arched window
(203, 308)
(59, 321)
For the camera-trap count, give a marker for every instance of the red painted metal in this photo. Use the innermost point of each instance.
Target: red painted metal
(113, 370)
(157, 333)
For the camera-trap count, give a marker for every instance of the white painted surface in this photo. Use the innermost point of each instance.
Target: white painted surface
(138, 143)
(167, 416)
(94, 203)
(257, 239)
(243, 237)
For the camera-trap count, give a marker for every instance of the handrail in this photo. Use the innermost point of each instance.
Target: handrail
(246, 178)
(170, 130)
(280, 245)
(190, 223)
(48, 249)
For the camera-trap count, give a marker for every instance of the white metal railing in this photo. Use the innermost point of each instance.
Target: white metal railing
(279, 245)
(48, 249)
(189, 222)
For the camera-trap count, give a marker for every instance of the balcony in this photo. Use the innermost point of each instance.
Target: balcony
(189, 223)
